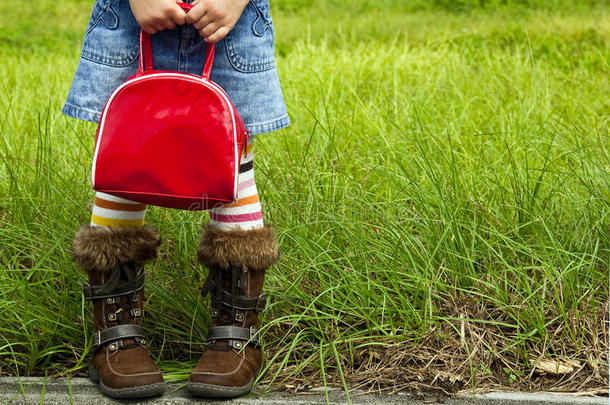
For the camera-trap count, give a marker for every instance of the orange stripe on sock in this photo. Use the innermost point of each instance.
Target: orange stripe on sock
(111, 205)
(243, 201)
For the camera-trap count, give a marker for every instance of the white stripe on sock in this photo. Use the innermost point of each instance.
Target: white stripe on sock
(247, 192)
(246, 175)
(244, 209)
(246, 225)
(117, 214)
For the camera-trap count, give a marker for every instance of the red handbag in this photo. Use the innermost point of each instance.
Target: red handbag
(170, 139)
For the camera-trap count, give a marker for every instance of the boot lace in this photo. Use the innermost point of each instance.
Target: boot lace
(124, 275)
(223, 316)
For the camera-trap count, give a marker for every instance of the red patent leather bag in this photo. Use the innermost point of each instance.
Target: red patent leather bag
(169, 139)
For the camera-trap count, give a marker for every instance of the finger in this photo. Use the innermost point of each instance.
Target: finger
(203, 22)
(177, 15)
(195, 14)
(170, 25)
(159, 26)
(218, 35)
(148, 29)
(209, 29)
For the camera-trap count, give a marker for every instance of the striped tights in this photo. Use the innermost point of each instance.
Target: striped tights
(245, 213)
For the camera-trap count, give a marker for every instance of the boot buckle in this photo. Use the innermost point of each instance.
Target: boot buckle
(97, 338)
(115, 334)
(254, 336)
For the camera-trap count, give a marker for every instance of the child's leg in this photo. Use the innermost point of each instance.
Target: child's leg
(246, 212)
(113, 250)
(113, 212)
(237, 248)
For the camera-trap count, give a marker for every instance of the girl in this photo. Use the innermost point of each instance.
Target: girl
(236, 247)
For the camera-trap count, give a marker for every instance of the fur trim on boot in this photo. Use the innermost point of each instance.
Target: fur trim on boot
(101, 249)
(254, 248)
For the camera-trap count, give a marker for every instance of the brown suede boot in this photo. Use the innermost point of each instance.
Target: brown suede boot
(237, 261)
(114, 259)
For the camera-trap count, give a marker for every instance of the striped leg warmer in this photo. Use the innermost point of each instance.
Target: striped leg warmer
(113, 212)
(245, 213)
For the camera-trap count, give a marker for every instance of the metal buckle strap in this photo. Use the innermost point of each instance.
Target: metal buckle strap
(241, 302)
(231, 333)
(125, 288)
(117, 332)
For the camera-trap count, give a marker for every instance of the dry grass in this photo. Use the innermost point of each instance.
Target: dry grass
(468, 352)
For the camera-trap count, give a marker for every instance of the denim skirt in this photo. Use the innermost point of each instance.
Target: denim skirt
(244, 63)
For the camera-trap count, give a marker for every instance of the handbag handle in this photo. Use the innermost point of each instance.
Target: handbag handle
(146, 62)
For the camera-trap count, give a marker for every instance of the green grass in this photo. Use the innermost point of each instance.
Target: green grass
(441, 199)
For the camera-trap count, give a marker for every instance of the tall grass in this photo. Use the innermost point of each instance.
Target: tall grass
(441, 201)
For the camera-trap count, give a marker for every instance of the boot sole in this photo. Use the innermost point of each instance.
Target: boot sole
(217, 391)
(142, 391)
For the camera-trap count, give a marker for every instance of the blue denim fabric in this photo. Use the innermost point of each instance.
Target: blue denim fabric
(244, 63)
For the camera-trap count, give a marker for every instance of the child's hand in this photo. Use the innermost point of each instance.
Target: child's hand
(215, 18)
(157, 15)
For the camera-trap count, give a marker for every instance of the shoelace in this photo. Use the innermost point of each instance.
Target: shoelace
(225, 317)
(130, 272)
